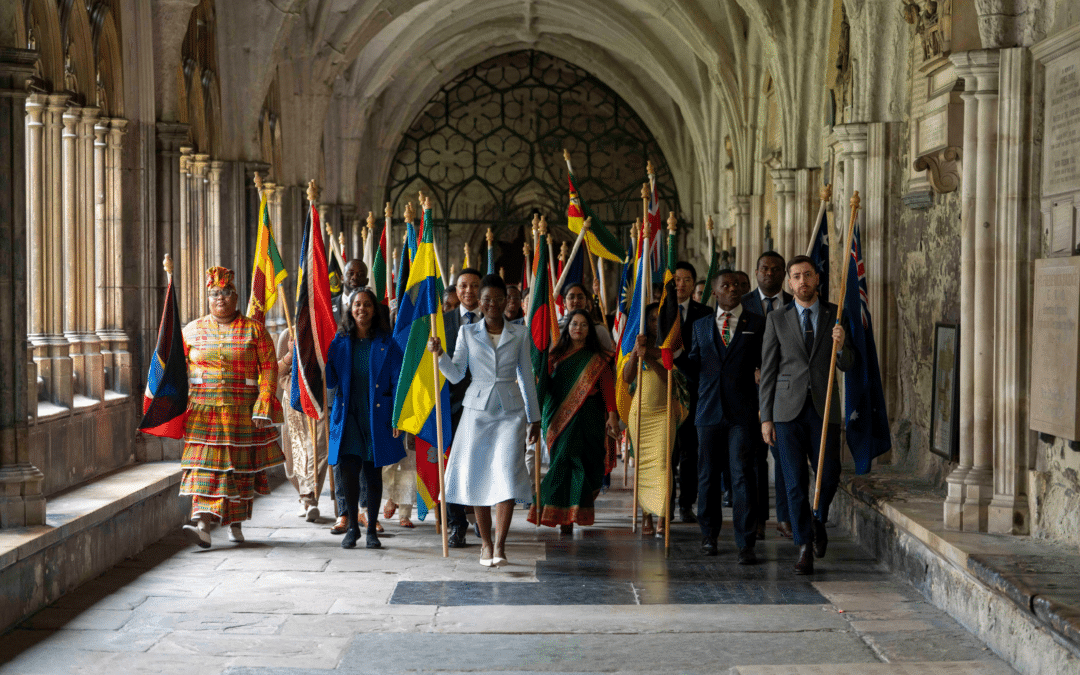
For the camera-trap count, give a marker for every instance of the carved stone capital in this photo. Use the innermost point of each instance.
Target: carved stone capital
(943, 169)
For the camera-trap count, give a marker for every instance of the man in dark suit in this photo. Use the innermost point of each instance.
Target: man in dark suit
(468, 312)
(685, 451)
(727, 350)
(796, 356)
(768, 296)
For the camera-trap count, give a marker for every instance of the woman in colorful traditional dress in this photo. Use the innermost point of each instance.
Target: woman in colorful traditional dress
(230, 437)
(652, 448)
(487, 466)
(363, 365)
(579, 423)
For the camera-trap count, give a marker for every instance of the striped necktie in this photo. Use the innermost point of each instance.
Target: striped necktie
(725, 329)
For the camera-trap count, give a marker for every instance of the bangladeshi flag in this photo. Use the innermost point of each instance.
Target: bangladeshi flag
(543, 324)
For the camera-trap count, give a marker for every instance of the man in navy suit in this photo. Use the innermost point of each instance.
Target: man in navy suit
(726, 348)
(468, 312)
(767, 297)
(685, 450)
(796, 356)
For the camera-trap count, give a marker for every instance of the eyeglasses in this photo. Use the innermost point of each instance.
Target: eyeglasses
(220, 293)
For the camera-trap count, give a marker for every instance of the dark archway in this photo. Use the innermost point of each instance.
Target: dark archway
(488, 148)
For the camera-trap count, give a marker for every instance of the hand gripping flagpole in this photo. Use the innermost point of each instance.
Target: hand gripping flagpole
(438, 424)
(832, 364)
(672, 221)
(826, 197)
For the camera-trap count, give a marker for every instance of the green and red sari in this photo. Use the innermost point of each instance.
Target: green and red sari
(573, 423)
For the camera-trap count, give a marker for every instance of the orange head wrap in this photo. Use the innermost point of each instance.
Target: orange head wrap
(220, 277)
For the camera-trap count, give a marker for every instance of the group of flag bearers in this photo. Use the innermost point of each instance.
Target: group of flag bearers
(213, 383)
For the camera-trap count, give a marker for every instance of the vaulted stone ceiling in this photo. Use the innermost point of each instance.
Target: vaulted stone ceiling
(360, 71)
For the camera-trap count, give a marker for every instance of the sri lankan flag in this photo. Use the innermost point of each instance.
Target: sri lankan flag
(268, 271)
(166, 398)
(668, 319)
(599, 239)
(315, 326)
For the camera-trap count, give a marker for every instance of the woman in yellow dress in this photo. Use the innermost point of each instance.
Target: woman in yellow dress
(230, 437)
(652, 448)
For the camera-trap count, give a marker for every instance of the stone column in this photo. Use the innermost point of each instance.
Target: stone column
(784, 184)
(979, 70)
(102, 165)
(35, 224)
(54, 362)
(121, 376)
(67, 270)
(1008, 510)
(214, 212)
(188, 272)
(348, 215)
(170, 138)
(747, 248)
(92, 378)
(21, 501)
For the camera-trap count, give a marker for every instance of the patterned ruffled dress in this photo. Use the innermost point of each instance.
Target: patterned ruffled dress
(232, 379)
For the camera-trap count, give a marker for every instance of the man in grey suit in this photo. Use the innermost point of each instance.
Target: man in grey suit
(768, 297)
(795, 362)
(468, 312)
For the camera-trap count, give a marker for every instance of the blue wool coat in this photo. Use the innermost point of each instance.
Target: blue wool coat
(383, 371)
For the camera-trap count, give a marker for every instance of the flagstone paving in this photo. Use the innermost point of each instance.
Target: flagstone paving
(292, 601)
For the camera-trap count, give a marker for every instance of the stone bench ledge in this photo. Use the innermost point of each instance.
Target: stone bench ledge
(85, 506)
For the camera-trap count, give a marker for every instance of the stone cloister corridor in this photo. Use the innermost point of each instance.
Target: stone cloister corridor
(132, 129)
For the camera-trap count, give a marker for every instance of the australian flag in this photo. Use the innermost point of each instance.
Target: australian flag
(864, 400)
(166, 397)
(819, 253)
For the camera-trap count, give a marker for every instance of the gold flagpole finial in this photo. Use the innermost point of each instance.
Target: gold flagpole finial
(312, 191)
(502, 273)
(490, 236)
(855, 201)
(452, 270)
(672, 221)
(465, 248)
(427, 203)
(420, 199)
(543, 226)
(644, 190)
(258, 183)
(167, 263)
(329, 230)
(526, 248)
(566, 155)
(370, 220)
(826, 193)
(388, 212)
(709, 224)
(341, 241)
(564, 251)
(636, 228)
(650, 168)
(410, 212)
(535, 221)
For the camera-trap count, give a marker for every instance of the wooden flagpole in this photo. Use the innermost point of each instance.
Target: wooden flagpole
(855, 201)
(672, 221)
(551, 253)
(573, 252)
(535, 247)
(826, 197)
(537, 447)
(646, 288)
(426, 205)
(622, 329)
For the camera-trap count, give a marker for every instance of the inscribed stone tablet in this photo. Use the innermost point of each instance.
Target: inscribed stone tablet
(1055, 348)
(1061, 172)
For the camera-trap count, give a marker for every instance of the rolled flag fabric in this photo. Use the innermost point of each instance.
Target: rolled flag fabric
(315, 325)
(166, 397)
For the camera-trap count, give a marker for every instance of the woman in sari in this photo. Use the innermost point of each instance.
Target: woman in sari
(578, 400)
(652, 447)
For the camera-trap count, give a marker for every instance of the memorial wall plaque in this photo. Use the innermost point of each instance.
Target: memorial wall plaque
(1060, 55)
(1054, 407)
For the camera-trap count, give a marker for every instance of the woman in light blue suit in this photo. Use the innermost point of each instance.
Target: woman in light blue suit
(487, 465)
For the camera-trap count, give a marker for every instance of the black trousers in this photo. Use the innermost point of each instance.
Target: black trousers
(684, 459)
(797, 442)
(351, 469)
(726, 447)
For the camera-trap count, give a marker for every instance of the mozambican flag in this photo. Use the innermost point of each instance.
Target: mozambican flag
(166, 397)
(599, 239)
(315, 326)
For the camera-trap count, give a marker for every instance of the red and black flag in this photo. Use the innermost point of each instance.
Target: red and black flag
(668, 319)
(166, 397)
(315, 326)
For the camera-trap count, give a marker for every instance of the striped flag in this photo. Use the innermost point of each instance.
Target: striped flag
(599, 239)
(542, 320)
(315, 326)
(631, 328)
(268, 271)
(378, 269)
(668, 319)
(166, 397)
(414, 404)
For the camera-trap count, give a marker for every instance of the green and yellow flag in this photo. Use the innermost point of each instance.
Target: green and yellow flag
(268, 271)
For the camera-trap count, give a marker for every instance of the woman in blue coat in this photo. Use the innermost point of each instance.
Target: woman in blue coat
(363, 366)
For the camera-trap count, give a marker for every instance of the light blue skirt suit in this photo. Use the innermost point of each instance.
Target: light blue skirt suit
(487, 460)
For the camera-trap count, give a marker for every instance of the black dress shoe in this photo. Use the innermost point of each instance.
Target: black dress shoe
(373, 540)
(806, 560)
(783, 528)
(687, 515)
(746, 556)
(350, 538)
(821, 538)
(456, 538)
(727, 499)
(708, 546)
